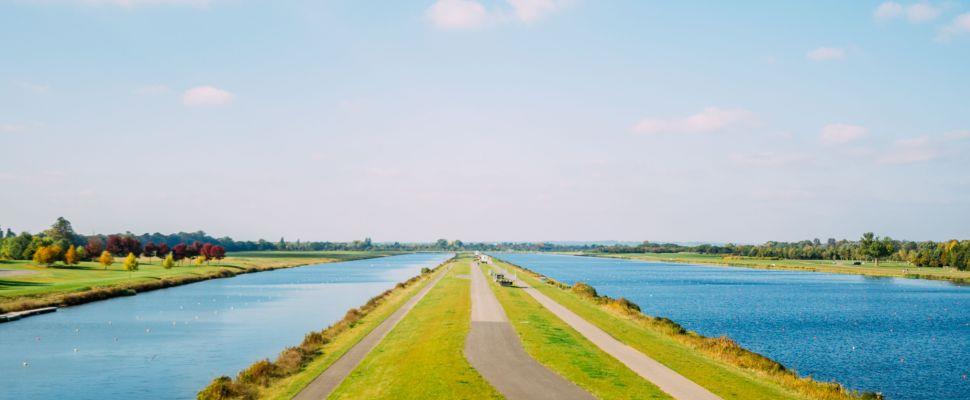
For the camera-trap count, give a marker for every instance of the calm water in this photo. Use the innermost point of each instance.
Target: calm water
(906, 338)
(168, 344)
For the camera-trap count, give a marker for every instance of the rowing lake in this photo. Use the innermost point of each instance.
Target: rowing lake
(170, 343)
(906, 338)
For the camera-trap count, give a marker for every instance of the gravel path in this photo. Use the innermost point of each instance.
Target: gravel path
(494, 349)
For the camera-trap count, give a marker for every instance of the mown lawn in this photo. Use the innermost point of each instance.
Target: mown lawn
(289, 387)
(885, 268)
(422, 358)
(560, 348)
(38, 280)
(726, 381)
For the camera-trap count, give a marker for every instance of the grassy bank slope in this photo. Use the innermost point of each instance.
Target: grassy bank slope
(560, 348)
(422, 357)
(885, 268)
(717, 364)
(33, 286)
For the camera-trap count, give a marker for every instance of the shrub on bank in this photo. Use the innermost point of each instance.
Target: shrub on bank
(292, 360)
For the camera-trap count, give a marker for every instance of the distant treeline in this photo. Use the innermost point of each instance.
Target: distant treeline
(951, 253)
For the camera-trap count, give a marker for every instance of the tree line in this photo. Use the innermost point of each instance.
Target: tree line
(951, 253)
(60, 243)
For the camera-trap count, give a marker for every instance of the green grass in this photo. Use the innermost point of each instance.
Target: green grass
(422, 357)
(560, 348)
(332, 351)
(46, 283)
(726, 381)
(885, 268)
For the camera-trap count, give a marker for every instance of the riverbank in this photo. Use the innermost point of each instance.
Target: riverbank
(62, 286)
(893, 269)
(297, 367)
(718, 364)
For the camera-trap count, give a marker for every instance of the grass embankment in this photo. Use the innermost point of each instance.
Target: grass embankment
(422, 358)
(560, 348)
(886, 268)
(37, 286)
(718, 364)
(297, 366)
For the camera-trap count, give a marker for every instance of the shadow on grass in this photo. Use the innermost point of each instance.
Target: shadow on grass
(4, 284)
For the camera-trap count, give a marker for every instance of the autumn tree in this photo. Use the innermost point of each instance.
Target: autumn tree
(131, 263)
(179, 252)
(106, 259)
(149, 251)
(47, 255)
(161, 250)
(217, 253)
(71, 257)
(169, 262)
(94, 247)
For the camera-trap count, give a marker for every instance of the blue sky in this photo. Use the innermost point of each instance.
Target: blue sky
(487, 120)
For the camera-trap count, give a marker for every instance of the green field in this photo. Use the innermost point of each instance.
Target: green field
(560, 348)
(422, 358)
(23, 282)
(724, 380)
(288, 387)
(885, 268)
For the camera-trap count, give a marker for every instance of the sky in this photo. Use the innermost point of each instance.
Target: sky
(487, 120)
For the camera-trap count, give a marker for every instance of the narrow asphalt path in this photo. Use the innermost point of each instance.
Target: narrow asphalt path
(326, 382)
(668, 380)
(494, 349)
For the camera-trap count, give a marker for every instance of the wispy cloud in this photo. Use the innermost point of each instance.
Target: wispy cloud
(826, 54)
(12, 128)
(768, 159)
(912, 150)
(36, 88)
(842, 133)
(472, 14)
(710, 119)
(203, 96)
(957, 135)
(958, 27)
(916, 12)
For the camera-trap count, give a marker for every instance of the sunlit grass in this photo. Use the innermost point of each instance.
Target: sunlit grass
(422, 357)
(560, 348)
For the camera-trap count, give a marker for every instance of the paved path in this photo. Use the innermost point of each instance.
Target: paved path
(494, 349)
(326, 382)
(668, 380)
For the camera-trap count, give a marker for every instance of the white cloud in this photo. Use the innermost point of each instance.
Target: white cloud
(206, 96)
(915, 13)
(888, 10)
(957, 135)
(826, 54)
(768, 159)
(531, 10)
(959, 26)
(457, 14)
(908, 151)
(469, 14)
(842, 133)
(710, 119)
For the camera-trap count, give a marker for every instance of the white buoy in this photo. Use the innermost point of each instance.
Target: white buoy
(147, 330)
(75, 349)
(25, 364)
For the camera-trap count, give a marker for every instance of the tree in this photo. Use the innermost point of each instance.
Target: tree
(82, 254)
(179, 252)
(161, 250)
(47, 255)
(169, 262)
(14, 247)
(131, 263)
(115, 245)
(106, 259)
(149, 251)
(200, 260)
(71, 257)
(61, 232)
(217, 253)
(94, 247)
(281, 245)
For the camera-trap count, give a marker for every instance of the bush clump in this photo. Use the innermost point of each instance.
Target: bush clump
(585, 290)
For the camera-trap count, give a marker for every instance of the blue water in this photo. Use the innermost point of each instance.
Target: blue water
(906, 338)
(168, 344)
